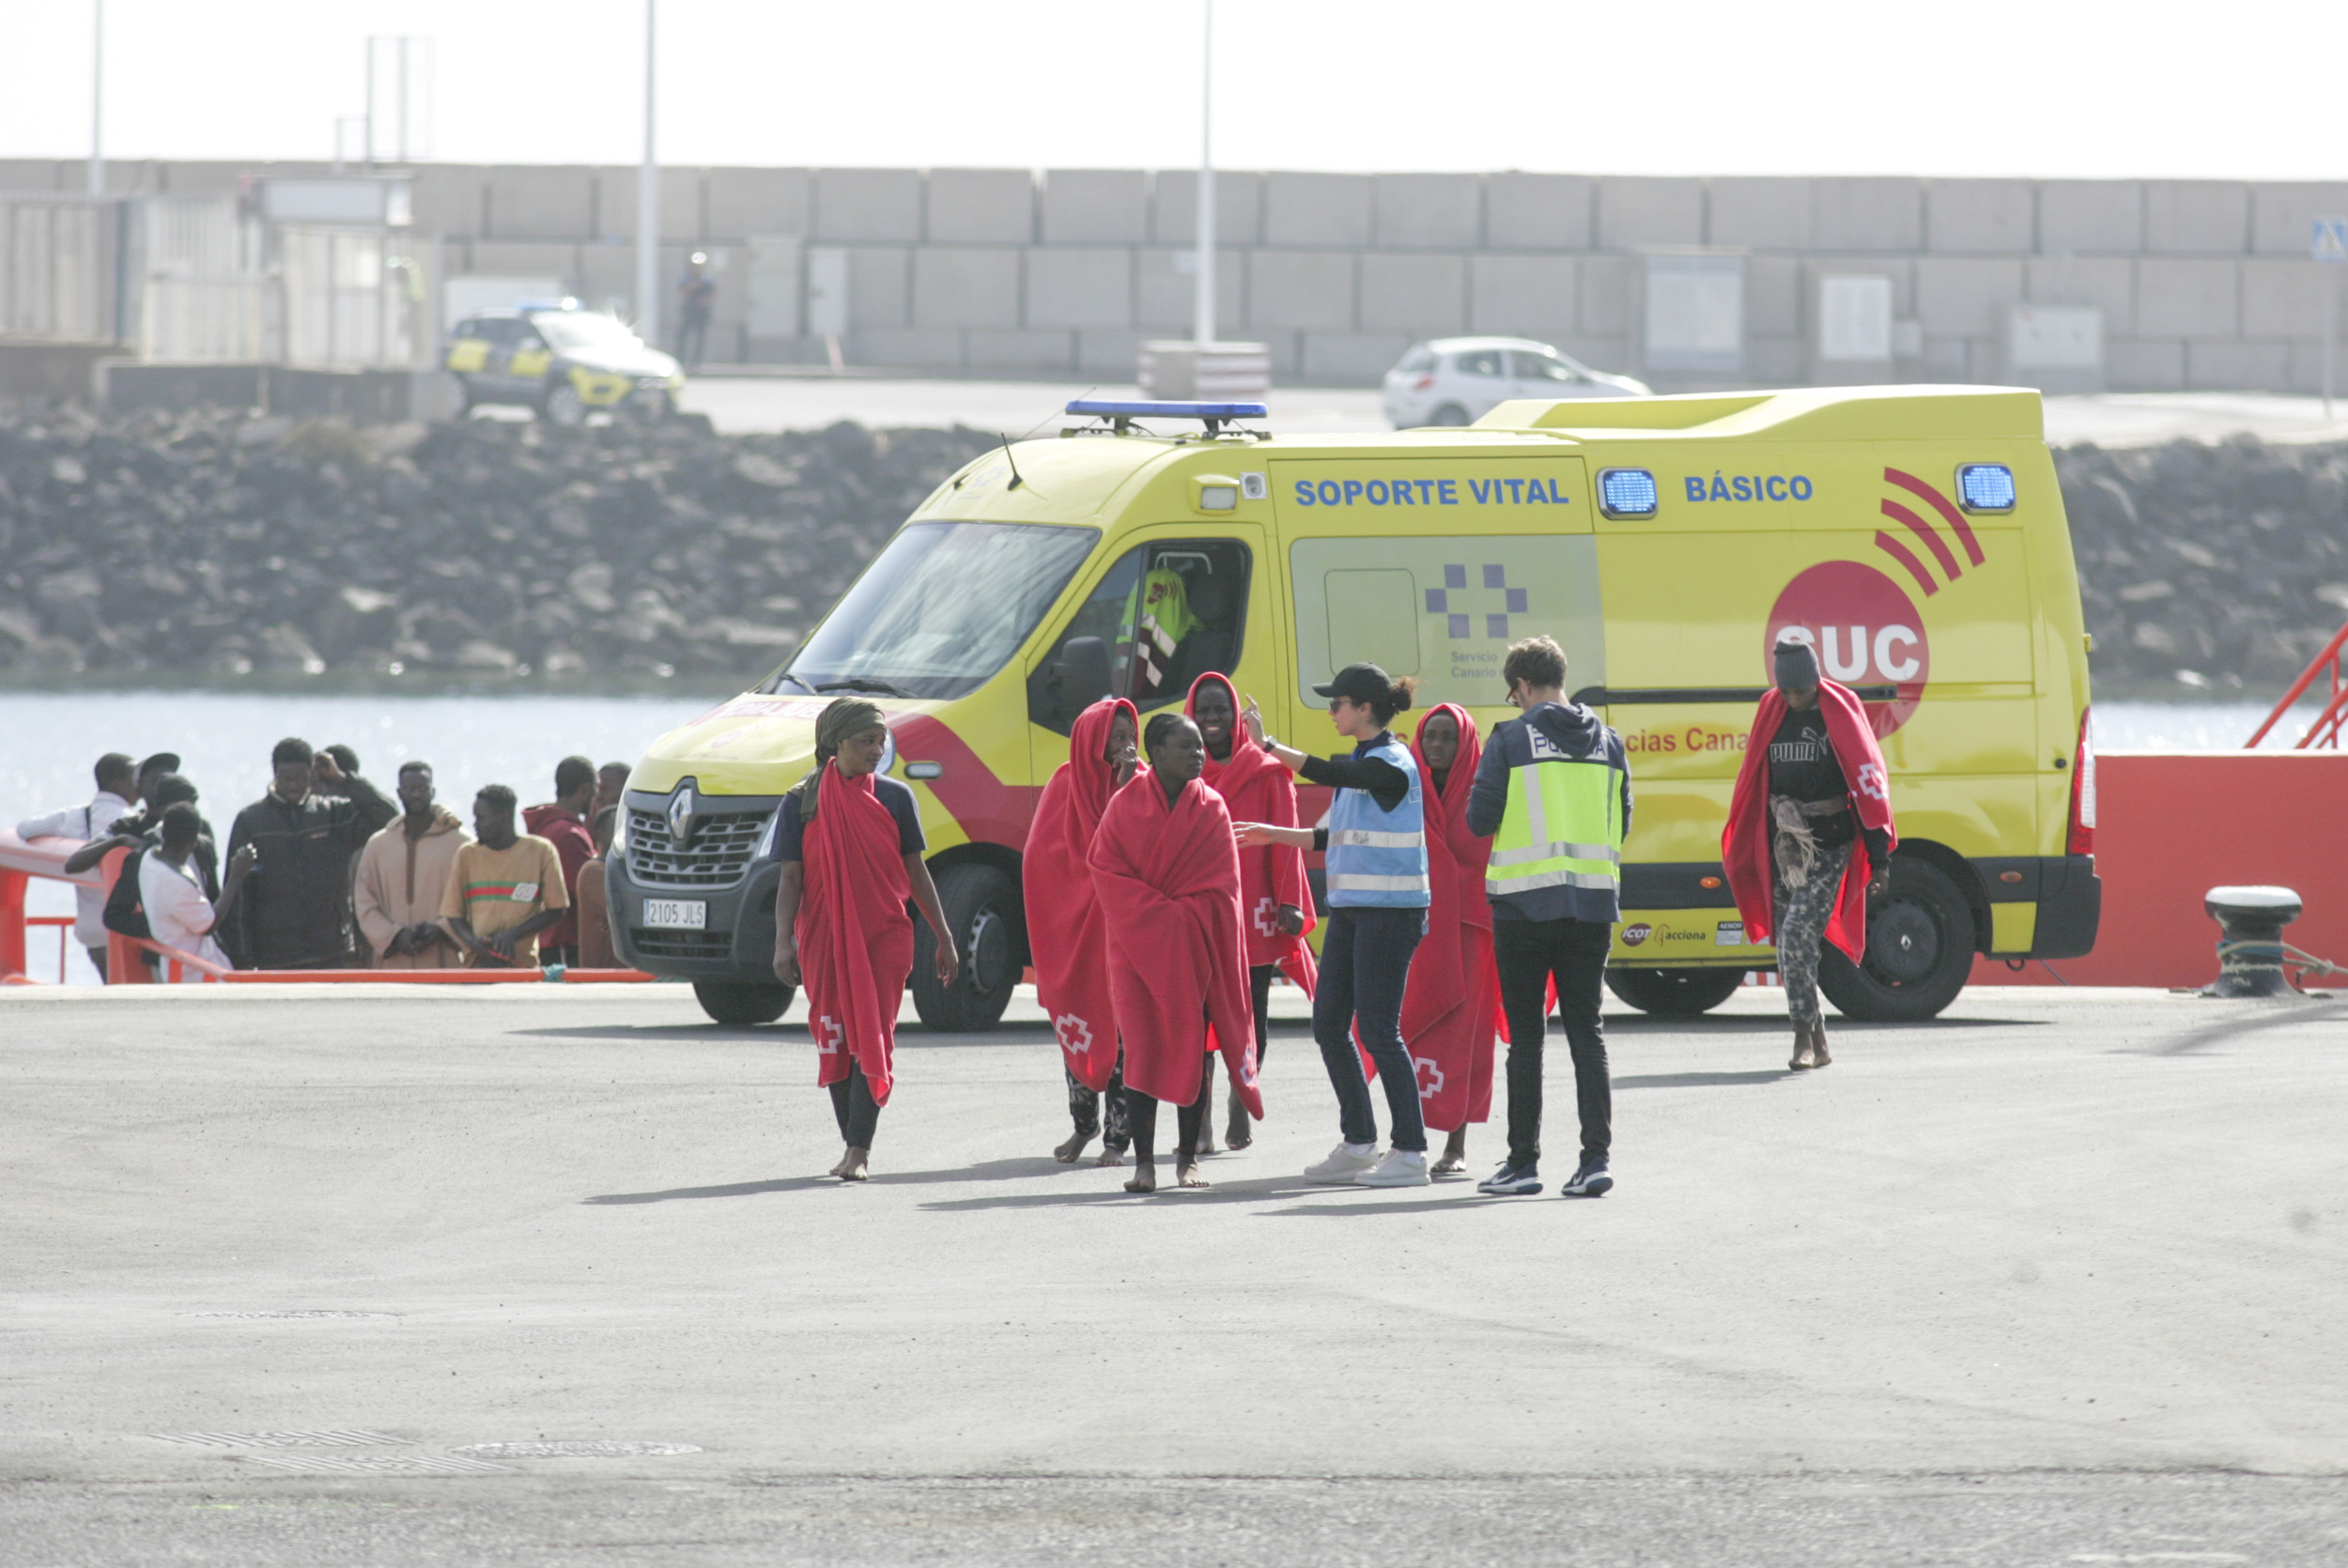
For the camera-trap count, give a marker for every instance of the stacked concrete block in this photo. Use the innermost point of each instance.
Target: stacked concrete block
(554, 202)
(1019, 348)
(744, 202)
(1523, 296)
(1609, 308)
(1634, 213)
(1420, 294)
(2196, 217)
(34, 175)
(867, 206)
(2282, 217)
(1437, 212)
(2144, 364)
(1165, 287)
(2177, 298)
(1775, 351)
(1238, 208)
(2094, 217)
(2236, 366)
(981, 207)
(681, 215)
(2107, 282)
(1349, 358)
(1068, 286)
(1966, 297)
(1300, 289)
(1869, 214)
(1109, 354)
(1980, 217)
(966, 286)
(1316, 209)
(446, 198)
(1758, 213)
(2283, 299)
(1539, 212)
(527, 258)
(880, 288)
(1095, 207)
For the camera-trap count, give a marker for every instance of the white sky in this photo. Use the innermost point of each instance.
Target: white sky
(2251, 90)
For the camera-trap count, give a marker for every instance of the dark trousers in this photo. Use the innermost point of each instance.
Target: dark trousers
(567, 954)
(1528, 953)
(1141, 1116)
(692, 338)
(852, 1105)
(1084, 1107)
(1365, 959)
(98, 961)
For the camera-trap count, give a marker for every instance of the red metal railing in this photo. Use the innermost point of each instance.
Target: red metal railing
(2325, 732)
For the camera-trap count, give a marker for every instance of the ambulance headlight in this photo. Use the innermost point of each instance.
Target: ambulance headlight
(1626, 492)
(1214, 493)
(1986, 487)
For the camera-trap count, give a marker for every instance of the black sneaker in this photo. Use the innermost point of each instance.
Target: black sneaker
(1512, 1181)
(1590, 1181)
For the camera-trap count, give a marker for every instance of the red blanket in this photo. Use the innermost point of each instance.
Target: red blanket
(856, 940)
(1168, 880)
(1451, 1004)
(1257, 786)
(1065, 929)
(1745, 841)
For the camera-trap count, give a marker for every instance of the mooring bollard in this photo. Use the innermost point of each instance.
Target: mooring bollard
(2251, 922)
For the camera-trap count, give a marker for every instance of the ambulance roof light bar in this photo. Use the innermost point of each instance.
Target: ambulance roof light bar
(1121, 414)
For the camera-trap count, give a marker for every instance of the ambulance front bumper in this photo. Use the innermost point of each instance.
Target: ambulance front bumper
(735, 941)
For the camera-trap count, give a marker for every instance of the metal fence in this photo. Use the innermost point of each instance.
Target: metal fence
(59, 264)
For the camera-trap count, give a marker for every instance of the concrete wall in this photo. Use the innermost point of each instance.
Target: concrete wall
(2202, 284)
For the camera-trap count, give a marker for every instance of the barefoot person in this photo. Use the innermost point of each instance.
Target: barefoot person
(1809, 837)
(850, 842)
(1451, 1009)
(1273, 896)
(1167, 874)
(1066, 931)
(1378, 896)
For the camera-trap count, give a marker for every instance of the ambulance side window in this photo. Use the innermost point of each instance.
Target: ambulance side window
(1163, 615)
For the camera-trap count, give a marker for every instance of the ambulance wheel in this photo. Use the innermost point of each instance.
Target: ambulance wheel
(1675, 993)
(732, 1002)
(1449, 414)
(561, 405)
(1920, 950)
(981, 907)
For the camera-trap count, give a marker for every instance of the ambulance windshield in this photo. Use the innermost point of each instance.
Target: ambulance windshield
(940, 610)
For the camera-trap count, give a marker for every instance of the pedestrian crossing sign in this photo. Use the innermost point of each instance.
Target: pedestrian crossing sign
(2330, 242)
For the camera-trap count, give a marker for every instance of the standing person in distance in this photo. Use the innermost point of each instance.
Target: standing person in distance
(504, 888)
(1167, 872)
(1809, 837)
(171, 889)
(1275, 900)
(1553, 793)
(562, 822)
(117, 787)
(1378, 895)
(1067, 931)
(308, 829)
(850, 842)
(403, 875)
(1451, 1009)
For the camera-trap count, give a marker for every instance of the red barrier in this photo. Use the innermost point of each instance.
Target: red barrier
(2170, 826)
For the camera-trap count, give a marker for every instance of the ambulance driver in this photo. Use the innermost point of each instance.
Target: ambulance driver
(1273, 893)
(1451, 1009)
(1378, 896)
(1167, 874)
(1809, 837)
(850, 843)
(1066, 931)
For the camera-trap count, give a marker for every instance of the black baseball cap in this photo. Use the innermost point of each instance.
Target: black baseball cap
(1363, 682)
(162, 762)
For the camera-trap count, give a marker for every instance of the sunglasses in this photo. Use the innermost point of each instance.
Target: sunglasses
(1336, 702)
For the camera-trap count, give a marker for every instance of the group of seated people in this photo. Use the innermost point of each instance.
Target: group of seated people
(326, 872)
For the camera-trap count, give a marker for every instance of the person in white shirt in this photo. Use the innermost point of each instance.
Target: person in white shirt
(170, 887)
(118, 784)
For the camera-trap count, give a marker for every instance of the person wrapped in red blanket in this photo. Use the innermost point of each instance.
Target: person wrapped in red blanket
(1809, 835)
(1165, 869)
(1275, 900)
(850, 842)
(1451, 1004)
(1066, 931)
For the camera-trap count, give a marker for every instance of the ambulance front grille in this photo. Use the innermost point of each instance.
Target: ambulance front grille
(717, 856)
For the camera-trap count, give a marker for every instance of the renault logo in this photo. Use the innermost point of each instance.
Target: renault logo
(681, 816)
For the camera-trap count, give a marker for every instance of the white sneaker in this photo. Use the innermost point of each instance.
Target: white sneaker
(1345, 1162)
(1399, 1168)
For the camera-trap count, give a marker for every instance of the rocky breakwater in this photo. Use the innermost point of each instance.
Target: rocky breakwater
(218, 550)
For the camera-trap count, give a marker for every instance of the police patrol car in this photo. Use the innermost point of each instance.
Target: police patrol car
(561, 361)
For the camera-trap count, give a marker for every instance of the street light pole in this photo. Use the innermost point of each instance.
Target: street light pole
(98, 99)
(1202, 326)
(648, 205)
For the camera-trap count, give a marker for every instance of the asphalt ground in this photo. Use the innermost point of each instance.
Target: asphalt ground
(2056, 1278)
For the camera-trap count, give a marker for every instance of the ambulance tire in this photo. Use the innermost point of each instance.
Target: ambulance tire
(465, 404)
(981, 906)
(1920, 950)
(1674, 992)
(1450, 415)
(735, 1003)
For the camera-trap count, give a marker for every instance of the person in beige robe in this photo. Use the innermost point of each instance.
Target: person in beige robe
(403, 871)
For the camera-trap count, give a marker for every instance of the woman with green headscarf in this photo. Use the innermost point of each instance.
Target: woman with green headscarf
(850, 842)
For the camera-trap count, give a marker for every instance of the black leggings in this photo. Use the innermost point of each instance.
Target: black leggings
(1084, 1107)
(1141, 1114)
(852, 1104)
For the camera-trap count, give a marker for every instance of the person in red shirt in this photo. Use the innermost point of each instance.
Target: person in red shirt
(562, 822)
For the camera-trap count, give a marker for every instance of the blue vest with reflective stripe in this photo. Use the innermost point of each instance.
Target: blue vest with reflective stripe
(1379, 857)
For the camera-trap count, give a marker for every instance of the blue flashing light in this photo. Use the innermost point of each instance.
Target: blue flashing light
(1626, 493)
(1105, 409)
(565, 304)
(1986, 487)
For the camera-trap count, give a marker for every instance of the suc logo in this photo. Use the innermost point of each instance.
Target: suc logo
(1866, 631)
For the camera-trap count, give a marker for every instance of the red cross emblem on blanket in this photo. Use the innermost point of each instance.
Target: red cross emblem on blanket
(830, 1036)
(1429, 1077)
(1075, 1034)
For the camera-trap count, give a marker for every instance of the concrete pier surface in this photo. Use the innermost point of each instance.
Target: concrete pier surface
(309, 1277)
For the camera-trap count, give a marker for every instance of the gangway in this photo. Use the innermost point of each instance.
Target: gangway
(2325, 732)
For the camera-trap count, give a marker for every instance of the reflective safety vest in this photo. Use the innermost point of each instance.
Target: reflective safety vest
(1564, 825)
(1379, 857)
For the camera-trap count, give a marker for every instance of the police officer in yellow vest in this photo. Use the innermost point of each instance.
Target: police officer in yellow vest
(1553, 793)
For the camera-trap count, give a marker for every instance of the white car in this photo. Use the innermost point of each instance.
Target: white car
(1459, 381)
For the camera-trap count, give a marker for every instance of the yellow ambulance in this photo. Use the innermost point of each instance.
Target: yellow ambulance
(1914, 535)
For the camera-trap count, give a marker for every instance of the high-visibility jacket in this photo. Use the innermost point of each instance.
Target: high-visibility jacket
(1564, 825)
(1379, 857)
